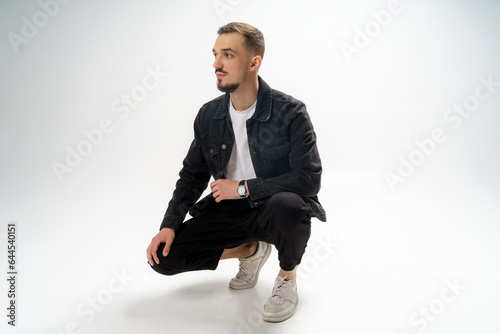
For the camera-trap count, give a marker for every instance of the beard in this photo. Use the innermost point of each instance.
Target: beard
(228, 88)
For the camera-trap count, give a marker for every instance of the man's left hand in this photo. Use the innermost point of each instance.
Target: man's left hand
(224, 189)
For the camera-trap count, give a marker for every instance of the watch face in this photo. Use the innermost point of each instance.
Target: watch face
(241, 190)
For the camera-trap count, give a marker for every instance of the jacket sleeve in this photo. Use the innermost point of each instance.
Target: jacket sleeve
(193, 180)
(304, 177)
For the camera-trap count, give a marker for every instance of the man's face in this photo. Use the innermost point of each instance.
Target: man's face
(232, 62)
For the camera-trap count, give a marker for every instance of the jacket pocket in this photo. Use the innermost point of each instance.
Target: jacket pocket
(214, 152)
(210, 146)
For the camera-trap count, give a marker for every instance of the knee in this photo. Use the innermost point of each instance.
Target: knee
(164, 270)
(287, 207)
(287, 203)
(166, 265)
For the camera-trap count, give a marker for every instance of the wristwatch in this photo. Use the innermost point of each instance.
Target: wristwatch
(242, 190)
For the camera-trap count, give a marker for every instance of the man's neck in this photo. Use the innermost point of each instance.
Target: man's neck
(245, 96)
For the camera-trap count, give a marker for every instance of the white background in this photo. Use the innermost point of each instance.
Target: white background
(385, 254)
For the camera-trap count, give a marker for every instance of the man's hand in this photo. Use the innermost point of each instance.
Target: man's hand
(225, 189)
(166, 235)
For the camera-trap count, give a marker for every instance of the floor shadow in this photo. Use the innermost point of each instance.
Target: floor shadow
(206, 300)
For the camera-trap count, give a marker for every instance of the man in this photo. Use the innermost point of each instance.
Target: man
(260, 147)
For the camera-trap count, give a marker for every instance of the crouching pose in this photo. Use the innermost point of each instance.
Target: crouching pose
(259, 146)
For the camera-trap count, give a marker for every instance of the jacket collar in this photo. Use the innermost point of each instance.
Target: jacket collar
(262, 109)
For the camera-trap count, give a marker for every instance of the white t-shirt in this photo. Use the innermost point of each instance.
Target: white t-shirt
(240, 165)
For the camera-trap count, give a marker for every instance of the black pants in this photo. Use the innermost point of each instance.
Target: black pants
(284, 220)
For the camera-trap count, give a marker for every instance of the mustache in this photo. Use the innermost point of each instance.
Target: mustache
(220, 71)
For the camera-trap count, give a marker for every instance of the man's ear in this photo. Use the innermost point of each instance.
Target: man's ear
(256, 61)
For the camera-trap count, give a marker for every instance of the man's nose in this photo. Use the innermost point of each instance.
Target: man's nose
(217, 63)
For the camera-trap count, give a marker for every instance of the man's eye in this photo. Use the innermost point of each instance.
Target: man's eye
(228, 55)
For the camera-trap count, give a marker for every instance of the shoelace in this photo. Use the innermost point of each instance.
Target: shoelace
(280, 291)
(242, 272)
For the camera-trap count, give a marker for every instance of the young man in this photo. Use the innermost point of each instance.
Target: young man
(260, 147)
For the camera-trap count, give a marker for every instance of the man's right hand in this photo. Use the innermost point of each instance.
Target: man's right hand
(166, 236)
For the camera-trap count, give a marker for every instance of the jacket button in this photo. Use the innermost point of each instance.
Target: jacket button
(224, 146)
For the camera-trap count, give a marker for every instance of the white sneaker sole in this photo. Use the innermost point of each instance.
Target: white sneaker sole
(272, 317)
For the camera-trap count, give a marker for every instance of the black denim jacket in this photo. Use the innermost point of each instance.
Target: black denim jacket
(282, 146)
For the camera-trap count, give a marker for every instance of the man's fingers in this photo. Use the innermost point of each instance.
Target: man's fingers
(155, 256)
(148, 255)
(217, 195)
(166, 250)
(168, 242)
(165, 236)
(155, 251)
(152, 249)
